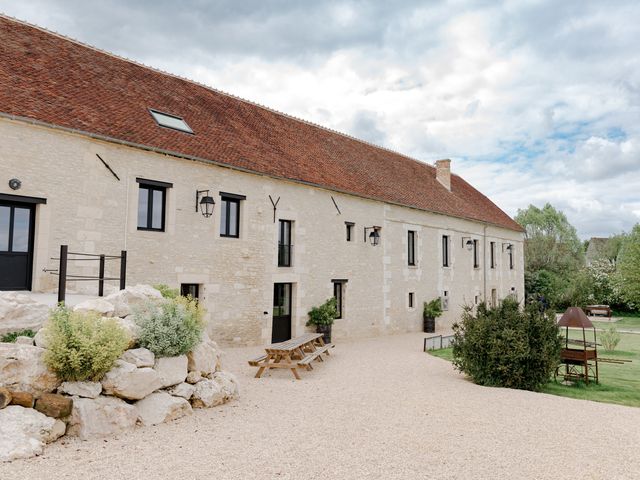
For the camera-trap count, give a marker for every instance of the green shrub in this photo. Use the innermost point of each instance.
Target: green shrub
(432, 309)
(324, 314)
(167, 291)
(507, 347)
(82, 346)
(610, 338)
(11, 336)
(170, 328)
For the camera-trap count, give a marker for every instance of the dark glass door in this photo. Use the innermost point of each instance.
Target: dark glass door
(281, 329)
(16, 246)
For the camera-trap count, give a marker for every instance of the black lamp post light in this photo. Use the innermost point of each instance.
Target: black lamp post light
(374, 236)
(204, 204)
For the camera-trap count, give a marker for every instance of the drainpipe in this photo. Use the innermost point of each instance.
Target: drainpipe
(484, 262)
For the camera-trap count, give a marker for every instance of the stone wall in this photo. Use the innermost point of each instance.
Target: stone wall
(91, 211)
(140, 389)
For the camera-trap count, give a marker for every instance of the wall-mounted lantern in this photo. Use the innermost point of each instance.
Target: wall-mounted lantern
(507, 247)
(374, 236)
(468, 243)
(205, 204)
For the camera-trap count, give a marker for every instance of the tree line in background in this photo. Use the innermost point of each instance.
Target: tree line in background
(557, 273)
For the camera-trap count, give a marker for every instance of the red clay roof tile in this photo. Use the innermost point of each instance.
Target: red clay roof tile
(52, 79)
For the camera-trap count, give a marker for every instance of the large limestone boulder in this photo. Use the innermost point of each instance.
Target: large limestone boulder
(22, 340)
(22, 368)
(205, 357)
(207, 393)
(124, 301)
(172, 370)
(101, 417)
(81, 389)
(183, 390)
(140, 357)
(24, 432)
(41, 339)
(228, 383)
(161, 407)
(129, 326)
(127, 381)
(19, 312)
(98, 305)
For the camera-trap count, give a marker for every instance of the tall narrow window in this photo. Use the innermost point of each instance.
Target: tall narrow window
(338, 293)
(411, 247)
(493, 254)
(151, 204)
(476, 254)
(349, 230)
(284, 243)
(230, 214)
(511, 257)
(411, 299)
(445, 250)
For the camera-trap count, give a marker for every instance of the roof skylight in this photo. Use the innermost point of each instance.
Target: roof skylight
(170, 121)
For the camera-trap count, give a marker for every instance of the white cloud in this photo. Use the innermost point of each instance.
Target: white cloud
(535, 101)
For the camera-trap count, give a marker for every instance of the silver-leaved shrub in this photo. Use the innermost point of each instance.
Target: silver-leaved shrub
(169, 328)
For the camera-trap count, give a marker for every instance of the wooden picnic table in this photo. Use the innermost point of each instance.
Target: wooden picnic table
(295, 353)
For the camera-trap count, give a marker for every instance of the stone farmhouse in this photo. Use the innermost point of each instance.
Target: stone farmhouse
(258, 214)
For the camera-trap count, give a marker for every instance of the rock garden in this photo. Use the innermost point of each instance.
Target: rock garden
(135, 357)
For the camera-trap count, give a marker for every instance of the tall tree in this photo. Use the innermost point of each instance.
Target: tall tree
(629, 267)
(551, 242)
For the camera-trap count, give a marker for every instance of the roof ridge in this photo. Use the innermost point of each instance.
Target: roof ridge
(209, 87)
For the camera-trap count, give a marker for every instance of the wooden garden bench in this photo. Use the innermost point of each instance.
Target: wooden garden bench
(310, 357)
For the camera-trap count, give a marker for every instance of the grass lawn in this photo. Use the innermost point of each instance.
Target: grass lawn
(618, 383)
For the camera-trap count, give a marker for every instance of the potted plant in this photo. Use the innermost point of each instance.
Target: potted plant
(322, 317)
(431, 311)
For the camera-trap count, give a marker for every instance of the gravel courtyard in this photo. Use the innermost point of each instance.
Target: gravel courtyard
(379, 408)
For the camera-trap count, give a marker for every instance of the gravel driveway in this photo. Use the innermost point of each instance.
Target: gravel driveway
(379, 408)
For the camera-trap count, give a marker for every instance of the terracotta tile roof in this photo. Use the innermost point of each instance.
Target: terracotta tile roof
(55, 80)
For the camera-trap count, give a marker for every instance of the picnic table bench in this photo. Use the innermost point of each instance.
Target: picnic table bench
(292, 354)
(598, 310)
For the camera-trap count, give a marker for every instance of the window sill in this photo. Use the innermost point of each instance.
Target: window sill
(229, 236)
(144, 229)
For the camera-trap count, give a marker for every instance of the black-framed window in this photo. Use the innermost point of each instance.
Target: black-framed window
(284, 243)
(152, 200)
(338, 293)
(411, 247)
(476, 254)
(230, 214)
(511, 257)
(411, 299)
(492, 254)
(445, 250)
(349, 229)
(190, 289)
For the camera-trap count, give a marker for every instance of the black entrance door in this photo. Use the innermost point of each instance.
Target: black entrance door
(16, 245)
(281, 329)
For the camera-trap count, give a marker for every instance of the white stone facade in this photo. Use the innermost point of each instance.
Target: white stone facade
(91, 211)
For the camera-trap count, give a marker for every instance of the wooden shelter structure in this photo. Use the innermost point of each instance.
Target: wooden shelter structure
(578, 358)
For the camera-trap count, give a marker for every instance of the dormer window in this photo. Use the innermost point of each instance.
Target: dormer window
(170, 121)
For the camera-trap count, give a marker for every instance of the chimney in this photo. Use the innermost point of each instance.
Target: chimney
(443, 173)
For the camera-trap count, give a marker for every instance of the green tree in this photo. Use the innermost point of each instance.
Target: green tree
(629, 267)
(551, 242)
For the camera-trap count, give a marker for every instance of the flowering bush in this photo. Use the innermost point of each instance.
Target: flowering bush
(82, 346)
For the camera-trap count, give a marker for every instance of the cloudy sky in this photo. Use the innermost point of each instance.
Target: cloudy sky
(534, 101)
